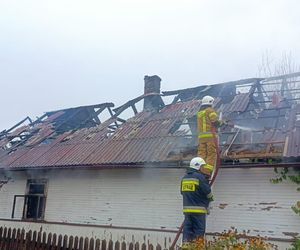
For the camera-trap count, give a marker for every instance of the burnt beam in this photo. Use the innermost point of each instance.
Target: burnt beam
(134, 109)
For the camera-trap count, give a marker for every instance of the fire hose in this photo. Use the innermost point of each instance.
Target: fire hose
(215, 173)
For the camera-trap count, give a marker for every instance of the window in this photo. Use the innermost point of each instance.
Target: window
(35, 199)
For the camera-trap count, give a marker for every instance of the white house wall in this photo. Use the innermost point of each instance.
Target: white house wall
(16, 184)
(150, 199)
(247, 200)
(133, 198)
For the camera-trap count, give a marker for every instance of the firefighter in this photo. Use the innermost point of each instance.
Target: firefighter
(208, 122)
(196, 194)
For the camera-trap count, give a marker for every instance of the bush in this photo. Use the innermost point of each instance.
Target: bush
(296, 245)
(230, 240)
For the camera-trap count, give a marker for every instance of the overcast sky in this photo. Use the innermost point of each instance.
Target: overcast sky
(62, 53)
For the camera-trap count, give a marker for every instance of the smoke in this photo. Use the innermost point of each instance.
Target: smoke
(5, 177)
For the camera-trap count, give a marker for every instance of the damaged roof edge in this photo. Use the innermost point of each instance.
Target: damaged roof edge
(133, 101)
(296, 74)
(106, 104)
(237, 82)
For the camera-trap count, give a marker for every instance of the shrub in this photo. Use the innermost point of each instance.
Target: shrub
(231, 240)
(296, 245)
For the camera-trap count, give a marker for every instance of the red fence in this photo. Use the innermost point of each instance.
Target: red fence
(17, 239)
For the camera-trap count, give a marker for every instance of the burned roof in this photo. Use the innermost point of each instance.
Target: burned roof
(266, 112)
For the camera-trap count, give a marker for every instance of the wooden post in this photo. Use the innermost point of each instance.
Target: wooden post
(44, 239)
(98, 244)
(71, 240)
(76, 243)
(49, 241)
(22, 240)
(9, 239)
(117, 245)
(123, 245)
(103, 245)
(86, 243)
(39, 240)
(54, 239)
(131, 246)
(158, 247)
(80, 243)
(137, 246)
(34, 238)
(110, 245)
(59, 242)
(92, 243)
(28, 240)
(18, 239)
(65, 242)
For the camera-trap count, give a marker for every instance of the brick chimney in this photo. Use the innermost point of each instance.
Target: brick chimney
(152, 85)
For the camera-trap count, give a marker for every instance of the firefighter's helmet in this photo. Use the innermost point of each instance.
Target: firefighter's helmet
(207, 100)
(196, 163)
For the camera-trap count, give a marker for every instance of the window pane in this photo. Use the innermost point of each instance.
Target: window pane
(36, 189)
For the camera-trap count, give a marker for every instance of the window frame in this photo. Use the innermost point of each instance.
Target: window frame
(27, 196)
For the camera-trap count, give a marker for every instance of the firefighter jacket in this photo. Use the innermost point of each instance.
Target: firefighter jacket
(196, 192)
(207, 120)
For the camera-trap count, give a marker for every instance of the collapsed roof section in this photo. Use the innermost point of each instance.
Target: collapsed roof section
(266, 112)
(266, 119)
(49, 129)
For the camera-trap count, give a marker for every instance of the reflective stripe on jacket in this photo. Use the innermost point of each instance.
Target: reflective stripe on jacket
(205, 120)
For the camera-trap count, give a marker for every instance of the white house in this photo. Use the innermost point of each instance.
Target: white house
(68, 172)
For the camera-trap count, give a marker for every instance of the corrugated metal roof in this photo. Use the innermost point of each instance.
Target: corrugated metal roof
(41, 135)
(78, 155)
(155, 136)
(29, 156)
(7, 160)
(53, 155)
(239, 103)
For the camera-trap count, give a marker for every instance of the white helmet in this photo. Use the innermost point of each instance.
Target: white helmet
(207, 100)
(196, 163)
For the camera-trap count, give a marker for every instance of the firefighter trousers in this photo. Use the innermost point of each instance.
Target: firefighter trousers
(193, 227)
(207, 150)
